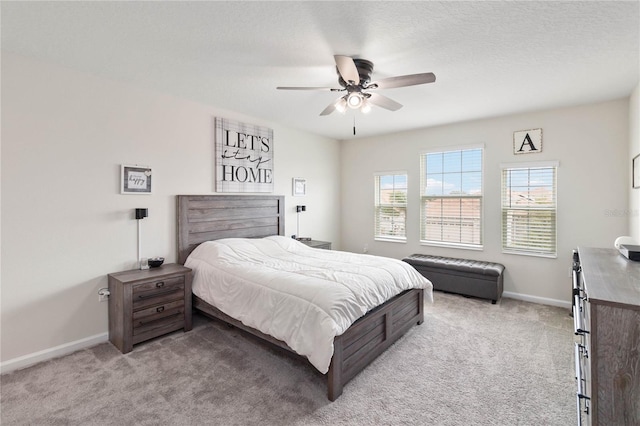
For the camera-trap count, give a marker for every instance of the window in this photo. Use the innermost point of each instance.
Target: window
(451, 198)
(391, 206)
(529, 209)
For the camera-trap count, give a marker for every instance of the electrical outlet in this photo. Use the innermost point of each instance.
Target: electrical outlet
(103, 295)
(365, 249)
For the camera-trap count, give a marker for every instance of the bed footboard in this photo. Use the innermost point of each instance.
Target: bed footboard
(360, 344)
(371, 335)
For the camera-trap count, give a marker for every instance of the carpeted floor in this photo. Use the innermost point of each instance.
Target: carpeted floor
(470, 363)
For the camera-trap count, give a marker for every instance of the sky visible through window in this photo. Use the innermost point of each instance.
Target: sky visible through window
(454, 173)
(529, 187)
(393, 182)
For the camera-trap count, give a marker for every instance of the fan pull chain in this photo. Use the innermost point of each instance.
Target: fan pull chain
(354, 125)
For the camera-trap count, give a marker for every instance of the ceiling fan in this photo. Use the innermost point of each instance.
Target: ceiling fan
(354, 77)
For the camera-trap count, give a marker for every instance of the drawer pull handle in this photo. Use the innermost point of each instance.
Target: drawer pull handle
(160, 309)
(159, 293)
(578, 309)
(160, 284)
(578, 367)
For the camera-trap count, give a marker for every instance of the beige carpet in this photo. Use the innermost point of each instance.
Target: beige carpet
(470, 363)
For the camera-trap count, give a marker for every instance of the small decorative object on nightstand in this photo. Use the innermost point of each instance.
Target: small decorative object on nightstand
(155, 262)
(317, 244)
(144, 304)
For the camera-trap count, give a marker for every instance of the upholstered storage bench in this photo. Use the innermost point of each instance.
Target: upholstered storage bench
(468, 277)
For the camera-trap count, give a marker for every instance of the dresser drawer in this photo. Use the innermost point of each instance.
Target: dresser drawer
(157, 292)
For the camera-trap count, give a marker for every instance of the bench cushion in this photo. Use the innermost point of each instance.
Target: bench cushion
(461, 265)
(463, 276)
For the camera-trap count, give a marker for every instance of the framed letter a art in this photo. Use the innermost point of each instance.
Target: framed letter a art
(527, 141)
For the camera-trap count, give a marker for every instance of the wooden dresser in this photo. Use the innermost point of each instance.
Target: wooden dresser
(607, 322)
(144, 304)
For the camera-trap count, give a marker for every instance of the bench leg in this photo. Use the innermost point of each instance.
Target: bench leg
(493, 302)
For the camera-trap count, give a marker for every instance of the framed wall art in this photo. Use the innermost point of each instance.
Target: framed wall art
(135, 179)
(527, 141)
(244, 157)
(299, 187)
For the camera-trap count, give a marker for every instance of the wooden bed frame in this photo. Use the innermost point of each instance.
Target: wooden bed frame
(210, 217)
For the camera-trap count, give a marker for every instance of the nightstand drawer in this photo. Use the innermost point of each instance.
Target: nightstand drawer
(159, 285)
(157, 292)
(157, 311)
(156, 322)
(157, 328)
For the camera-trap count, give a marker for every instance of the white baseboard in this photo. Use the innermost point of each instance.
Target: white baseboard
(47, 354)
(55, 352)
(536, 299)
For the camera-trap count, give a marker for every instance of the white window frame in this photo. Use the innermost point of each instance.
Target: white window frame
(377, 205)
(505, 208)
(423, 196)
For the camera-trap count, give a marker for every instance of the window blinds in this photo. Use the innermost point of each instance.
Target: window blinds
(451, 201)
(529, 204)
(390, 206)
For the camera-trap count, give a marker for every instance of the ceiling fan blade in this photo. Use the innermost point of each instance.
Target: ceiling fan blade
(328, 110)
(339, 104)
(384, 102)
(405, 80)
(328, 89)
(347, 69)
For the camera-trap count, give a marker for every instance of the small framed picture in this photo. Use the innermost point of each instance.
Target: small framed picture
(527, 141)
(135, 180)
(635, 171)
(299, 187)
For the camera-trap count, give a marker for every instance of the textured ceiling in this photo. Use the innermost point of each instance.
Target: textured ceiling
(490, 58)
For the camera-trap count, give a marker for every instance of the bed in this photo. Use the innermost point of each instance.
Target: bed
(227, 218)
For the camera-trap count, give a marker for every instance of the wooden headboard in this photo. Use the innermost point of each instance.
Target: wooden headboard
(203, 218)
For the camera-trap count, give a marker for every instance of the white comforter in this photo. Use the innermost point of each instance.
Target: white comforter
(297, 294)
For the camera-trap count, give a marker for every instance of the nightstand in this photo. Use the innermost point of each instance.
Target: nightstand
(144, 304)
(318, 244)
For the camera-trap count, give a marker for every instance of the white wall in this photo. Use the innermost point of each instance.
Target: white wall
(65, 225)
(634, 149)
(591, 144)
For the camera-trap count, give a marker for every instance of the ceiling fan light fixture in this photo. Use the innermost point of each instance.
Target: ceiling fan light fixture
(354, 77)
(354, 100)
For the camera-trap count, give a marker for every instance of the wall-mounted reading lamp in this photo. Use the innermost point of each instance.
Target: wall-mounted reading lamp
(298, 210)
(141, 214)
